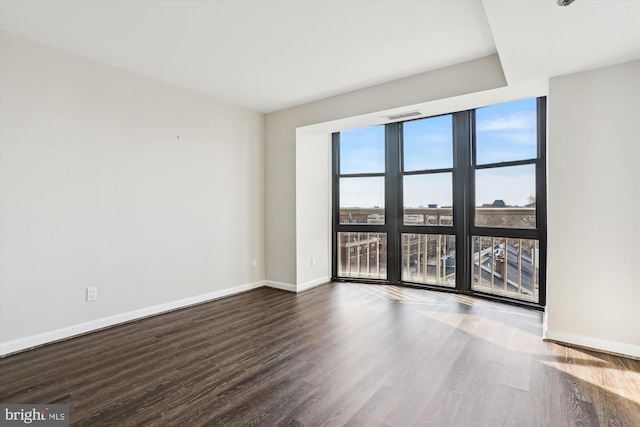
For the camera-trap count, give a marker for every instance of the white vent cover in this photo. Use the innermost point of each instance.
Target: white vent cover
(403, 115)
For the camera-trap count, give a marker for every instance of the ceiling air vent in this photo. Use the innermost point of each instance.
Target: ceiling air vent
(403, 115)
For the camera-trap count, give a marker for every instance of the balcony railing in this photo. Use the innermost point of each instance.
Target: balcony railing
(506, 266)
(501, 266)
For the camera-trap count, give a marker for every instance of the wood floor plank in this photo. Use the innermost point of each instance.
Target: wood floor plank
(376, 408)
(339, 354)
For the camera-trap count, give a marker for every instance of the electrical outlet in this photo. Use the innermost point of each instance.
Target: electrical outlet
(92, 293)
(254, 262)
(313, 262)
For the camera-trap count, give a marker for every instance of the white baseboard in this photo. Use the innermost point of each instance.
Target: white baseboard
(300, 288)
(105, 322)
(313, 283)
(594, 343)
(280, 285)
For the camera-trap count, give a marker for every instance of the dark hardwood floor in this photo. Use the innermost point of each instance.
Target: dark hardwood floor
(339, 354)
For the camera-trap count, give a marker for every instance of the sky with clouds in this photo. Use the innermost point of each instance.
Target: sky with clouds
(504, 132)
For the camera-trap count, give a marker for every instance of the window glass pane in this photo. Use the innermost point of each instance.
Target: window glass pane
(362, 255)
(508, 267)
(429, 258)
(362, 150)
(427, 199)
(362, 200)
(428, 143)
(506, 132)
(505, 197)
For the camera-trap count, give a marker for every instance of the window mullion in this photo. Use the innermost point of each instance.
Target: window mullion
(393, 199)
(462, 149)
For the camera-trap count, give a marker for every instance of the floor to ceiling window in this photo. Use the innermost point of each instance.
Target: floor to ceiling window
(361, 216)
(455, 201)
(427, 236)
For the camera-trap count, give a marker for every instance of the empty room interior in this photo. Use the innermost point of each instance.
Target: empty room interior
(306, 213)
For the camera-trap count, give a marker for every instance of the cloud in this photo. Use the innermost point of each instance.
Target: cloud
(513, 121)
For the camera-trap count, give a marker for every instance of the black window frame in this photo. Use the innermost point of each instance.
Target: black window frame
(464, 209)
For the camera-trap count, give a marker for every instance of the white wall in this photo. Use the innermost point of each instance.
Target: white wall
(97, 190)
(280, 155)
(594, 209)
(313, 209)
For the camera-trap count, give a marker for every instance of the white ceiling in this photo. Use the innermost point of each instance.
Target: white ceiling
(272, 54)
(539, 39)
